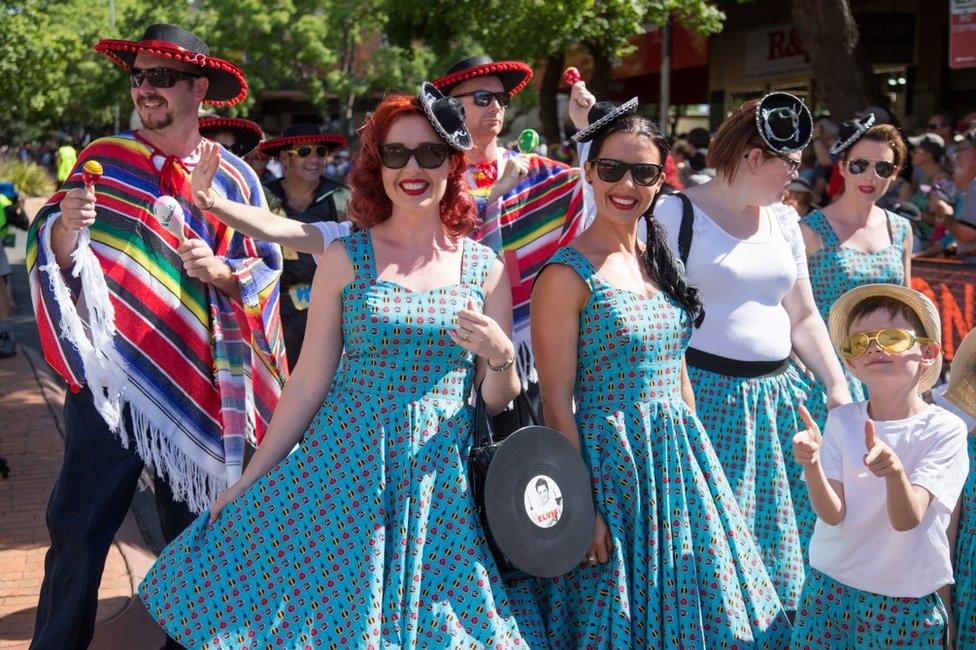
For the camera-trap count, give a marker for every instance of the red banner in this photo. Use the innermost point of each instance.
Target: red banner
(951, 286)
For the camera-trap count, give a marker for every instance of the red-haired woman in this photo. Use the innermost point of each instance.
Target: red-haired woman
(365, 535)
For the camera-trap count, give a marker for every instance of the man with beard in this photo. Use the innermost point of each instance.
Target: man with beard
(166, 330)
(528, 206)
(305, 195)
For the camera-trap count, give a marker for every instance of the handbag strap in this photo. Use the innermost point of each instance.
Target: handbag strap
(484, 431)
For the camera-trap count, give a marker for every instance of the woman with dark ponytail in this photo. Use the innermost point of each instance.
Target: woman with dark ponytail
(672, 560)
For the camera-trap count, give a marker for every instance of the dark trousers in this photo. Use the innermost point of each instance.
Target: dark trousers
(93, 492)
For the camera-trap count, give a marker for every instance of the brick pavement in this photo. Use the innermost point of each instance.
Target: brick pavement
(31, 441)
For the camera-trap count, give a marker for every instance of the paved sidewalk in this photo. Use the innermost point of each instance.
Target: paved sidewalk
(31, 442)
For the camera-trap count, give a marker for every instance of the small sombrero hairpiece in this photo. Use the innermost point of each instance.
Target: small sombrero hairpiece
(601, 115)
(446, 115)
(850, 132)
(784, 122)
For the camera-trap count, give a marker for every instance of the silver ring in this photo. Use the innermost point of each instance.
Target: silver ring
(592, 558)
(467, 335)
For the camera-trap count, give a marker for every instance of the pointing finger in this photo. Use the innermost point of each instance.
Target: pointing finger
(870, 440)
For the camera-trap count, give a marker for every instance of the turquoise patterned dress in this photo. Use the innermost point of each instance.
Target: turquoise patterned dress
(366, 535)
(684, 571)
(964, 592)
(836, 269)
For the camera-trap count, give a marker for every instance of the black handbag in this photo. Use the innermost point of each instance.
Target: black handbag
(486, 441)
(532, 493)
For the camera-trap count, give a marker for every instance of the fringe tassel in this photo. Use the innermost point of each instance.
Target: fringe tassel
(189, 482)
(102, 365)
(524, 359)
(105, 373)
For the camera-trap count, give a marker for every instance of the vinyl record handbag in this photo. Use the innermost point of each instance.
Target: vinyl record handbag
(532, 492)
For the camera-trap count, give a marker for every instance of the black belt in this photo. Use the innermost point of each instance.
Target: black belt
(734, 367)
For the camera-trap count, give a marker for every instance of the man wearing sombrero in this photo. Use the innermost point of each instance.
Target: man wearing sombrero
(237, 135)
(166, 329)
(528, 206)
(305, 195)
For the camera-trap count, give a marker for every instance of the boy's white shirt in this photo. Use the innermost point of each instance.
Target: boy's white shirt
(864, 551)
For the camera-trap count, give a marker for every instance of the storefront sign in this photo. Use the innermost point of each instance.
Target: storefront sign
(962, 34)
(952, 287)
(776, 53)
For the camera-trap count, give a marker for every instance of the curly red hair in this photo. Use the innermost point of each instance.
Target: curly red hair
(370, 205)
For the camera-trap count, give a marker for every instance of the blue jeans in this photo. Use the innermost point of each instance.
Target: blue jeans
(95, 486)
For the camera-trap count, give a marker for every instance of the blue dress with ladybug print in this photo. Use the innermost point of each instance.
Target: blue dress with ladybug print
(366, 535)
(684, 570)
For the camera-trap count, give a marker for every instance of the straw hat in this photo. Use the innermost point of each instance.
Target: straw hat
(962, 376)
(917, 302)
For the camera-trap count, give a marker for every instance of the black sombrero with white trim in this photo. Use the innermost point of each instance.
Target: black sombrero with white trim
(299, 134)
(246, 133)
(784, 122)
(850, 132)
(601, 115)
(227, 83)
(514, 75)
(446, 115)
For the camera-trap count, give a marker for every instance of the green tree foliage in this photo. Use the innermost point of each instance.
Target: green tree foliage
(50, 75)
(51, 78)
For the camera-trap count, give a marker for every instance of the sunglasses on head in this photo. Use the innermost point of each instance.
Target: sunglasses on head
(882, 168)
(306, 150)
(892, 340)
(483, 97)
(429, 155)
(611, 171)
(159, 77)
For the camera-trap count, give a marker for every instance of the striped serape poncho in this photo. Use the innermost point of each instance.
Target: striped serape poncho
(537, 217)
(197, 370)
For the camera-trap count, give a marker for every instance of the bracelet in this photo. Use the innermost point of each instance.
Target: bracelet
(502, 368)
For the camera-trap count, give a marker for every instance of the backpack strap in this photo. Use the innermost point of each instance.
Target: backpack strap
(685, 232)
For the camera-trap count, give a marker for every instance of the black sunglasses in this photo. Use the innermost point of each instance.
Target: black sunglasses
(306, 150)
(611, 171)
(934, 127)
(483, 97)
(429, 155)
(882, 168)
(159, 77)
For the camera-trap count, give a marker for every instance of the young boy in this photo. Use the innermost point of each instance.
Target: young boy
(883, 480)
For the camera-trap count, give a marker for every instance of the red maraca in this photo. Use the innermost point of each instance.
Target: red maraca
(90, 173)
(571, 76)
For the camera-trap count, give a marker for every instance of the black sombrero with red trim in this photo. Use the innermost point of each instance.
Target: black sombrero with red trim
(299, 134)
(246, 133)
(514, 75)
(227, 83)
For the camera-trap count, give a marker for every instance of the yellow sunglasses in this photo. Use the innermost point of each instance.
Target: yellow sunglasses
(892, 340)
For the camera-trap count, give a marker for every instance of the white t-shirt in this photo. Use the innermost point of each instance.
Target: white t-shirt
(331, 230)
(864, 551)
(742, 282)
